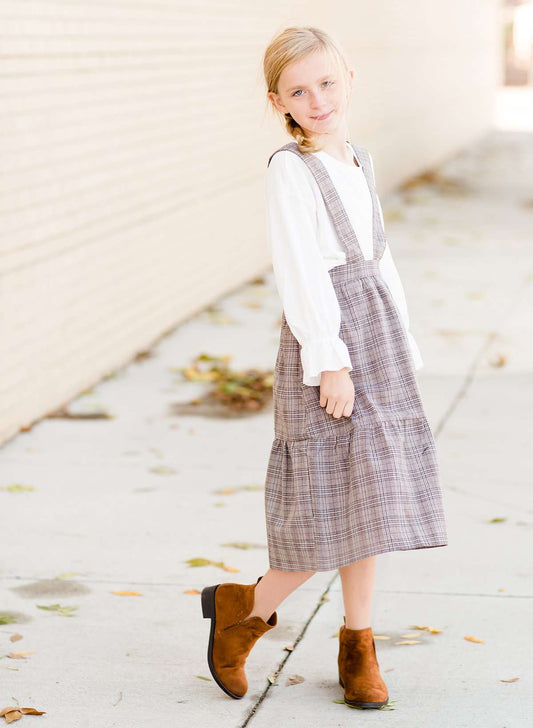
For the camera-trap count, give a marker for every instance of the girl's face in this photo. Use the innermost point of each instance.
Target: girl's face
(313, 91)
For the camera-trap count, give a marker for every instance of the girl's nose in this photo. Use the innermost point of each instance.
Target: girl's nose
(316, 101)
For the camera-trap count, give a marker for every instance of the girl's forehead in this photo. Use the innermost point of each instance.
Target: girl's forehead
(307, 70)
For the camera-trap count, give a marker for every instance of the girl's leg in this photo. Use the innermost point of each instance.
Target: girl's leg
(357, 591)
(273, 588)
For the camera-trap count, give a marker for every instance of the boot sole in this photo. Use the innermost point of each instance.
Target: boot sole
(209, 612)
(360, 704)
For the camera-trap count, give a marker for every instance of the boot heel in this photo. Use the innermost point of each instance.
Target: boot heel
(208, 601)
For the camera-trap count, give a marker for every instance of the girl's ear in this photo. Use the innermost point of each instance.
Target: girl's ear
(351, 74)
(276, 101)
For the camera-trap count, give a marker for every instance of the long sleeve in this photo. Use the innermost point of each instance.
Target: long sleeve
(392, 278)
(308, 297)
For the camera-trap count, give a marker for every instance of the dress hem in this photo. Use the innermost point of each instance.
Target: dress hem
(350, 560)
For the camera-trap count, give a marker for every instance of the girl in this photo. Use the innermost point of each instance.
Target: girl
(353, 468)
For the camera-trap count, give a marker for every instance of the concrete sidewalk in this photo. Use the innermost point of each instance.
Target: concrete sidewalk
(122, 503)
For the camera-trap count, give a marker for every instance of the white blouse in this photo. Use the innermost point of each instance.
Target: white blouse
(304, 246)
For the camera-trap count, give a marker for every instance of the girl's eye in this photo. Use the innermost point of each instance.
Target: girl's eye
(297, 93)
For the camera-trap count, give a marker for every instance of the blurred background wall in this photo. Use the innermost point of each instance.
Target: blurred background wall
(134, 142)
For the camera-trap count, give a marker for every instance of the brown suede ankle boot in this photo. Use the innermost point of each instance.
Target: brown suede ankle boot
(359, 670)
(232, 636)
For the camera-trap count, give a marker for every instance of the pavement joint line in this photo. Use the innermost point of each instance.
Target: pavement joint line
(299, 638)
(301, 588)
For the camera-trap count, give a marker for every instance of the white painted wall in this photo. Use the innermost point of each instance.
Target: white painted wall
(134, 138)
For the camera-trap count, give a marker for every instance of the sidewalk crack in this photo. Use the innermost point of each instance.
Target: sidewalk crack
(277, 673)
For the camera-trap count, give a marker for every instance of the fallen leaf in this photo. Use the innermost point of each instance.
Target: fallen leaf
(128, 593)
(512, 679)
(207, 562)
(17, 488)
(499, 361)
(428, 629)
(64, 611)
(192, 591)
(408, 642)
(381, 637)
(162, 470)
(272, 679)
(8, 618)
(18, 655)
(470, 638)
(11, 713)
(289, 648)
(245, 545)
(496, 519)
(203, 678)
(15, 637)
(295, 679)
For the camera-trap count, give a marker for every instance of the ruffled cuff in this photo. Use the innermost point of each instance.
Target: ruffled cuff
(321, 355)
(415, 351)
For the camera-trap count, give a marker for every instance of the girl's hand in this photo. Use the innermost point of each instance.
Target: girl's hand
(337, 393)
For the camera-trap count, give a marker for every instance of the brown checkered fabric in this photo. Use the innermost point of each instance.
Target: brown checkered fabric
(339, 490)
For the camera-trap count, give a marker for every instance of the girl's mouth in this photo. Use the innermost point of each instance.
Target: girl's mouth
(324, 116)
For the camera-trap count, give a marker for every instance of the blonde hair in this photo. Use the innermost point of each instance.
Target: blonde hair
(291, 45)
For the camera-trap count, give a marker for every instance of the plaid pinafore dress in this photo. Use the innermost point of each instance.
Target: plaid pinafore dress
(342, 489)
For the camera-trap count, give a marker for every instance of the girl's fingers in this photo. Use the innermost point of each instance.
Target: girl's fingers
(336, 408)
(347, 411)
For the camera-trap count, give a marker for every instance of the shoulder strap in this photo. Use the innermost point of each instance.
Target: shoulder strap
(332, 201)
(293, 146)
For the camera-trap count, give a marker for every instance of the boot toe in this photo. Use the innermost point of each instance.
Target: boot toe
(236, 684)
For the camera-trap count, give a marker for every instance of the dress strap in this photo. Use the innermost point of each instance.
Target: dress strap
(336, 209)
(378, 233)
(332, 201)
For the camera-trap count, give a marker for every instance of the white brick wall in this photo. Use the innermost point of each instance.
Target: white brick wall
(134, 142)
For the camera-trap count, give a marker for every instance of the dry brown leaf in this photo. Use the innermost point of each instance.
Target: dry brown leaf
(127, 593)
(295, 679)
(19, 655)
(470, 638)
(15, 637)
(408, 642)
(192, 591)
(12, 713)
(512, 679)
(289, 648)
(433, 630)
(206, 562)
